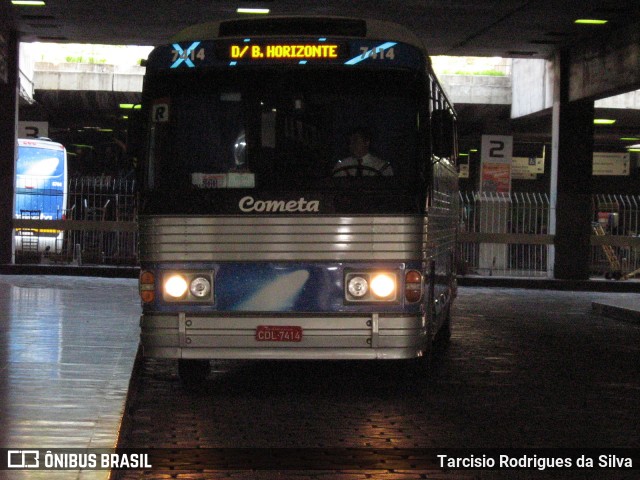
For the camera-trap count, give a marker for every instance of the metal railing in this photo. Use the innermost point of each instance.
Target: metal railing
(507, 234)
(98, 227)
(615, 247)
(499, 234)
(504, 234)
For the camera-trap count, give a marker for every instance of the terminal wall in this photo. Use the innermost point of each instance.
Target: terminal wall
(477, 89)
(532, 86)
(629, 100)
(86, 77)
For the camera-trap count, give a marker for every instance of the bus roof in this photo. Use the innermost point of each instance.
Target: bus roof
(39, 143)
(300, 26)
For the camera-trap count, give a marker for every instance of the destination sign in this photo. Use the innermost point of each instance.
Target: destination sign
(184, 56)
(281, 51)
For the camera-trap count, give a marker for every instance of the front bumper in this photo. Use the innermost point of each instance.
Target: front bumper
(362, 337)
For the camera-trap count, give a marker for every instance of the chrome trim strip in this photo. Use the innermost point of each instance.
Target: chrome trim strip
(284, 354)
(285, 238)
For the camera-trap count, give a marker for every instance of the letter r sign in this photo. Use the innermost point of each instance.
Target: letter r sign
(160, 113)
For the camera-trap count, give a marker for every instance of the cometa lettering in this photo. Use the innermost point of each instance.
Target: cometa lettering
(249, 204)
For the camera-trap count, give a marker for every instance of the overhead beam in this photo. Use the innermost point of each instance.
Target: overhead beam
(606, 66)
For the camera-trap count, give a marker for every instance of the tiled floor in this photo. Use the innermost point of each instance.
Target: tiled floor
(525, 369)
(67, 347)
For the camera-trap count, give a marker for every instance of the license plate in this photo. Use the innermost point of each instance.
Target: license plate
(273, 333)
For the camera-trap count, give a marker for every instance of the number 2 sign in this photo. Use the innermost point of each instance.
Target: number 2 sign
(497, 155)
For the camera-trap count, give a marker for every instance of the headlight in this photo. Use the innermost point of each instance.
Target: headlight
(371, 286)
(383, 285)
(176, 286)
(200, 287)
(358, 287)
(188, 287)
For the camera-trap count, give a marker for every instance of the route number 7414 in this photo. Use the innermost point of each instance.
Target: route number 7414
(378, 53)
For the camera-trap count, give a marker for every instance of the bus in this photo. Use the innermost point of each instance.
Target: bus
(259, 238)
(40, 192)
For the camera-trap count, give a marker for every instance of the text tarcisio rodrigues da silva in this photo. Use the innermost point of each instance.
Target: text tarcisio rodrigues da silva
(535, 461)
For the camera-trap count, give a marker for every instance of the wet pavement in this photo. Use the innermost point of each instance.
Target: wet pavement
(67, 348)
(525, 369)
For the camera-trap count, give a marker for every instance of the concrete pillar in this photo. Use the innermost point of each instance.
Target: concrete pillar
(571, 170)
(8, 122)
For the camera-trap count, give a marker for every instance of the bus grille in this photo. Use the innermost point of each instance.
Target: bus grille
(280, 238)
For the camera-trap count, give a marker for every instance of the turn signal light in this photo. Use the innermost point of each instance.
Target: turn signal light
(413, 286)
(147, 287)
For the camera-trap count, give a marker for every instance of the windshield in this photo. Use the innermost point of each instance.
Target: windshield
(295, 130)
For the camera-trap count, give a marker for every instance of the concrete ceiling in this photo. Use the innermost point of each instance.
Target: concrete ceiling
(507, 28)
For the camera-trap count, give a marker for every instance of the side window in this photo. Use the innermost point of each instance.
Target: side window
(443, 132)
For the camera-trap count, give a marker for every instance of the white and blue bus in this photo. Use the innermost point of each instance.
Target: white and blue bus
(260, 236)
(40, 190)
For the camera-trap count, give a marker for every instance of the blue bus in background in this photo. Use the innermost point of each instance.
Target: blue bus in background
(40, 189)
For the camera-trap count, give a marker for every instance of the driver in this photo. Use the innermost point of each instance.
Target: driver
(361, 162)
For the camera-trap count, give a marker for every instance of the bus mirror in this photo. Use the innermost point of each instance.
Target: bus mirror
(442, 133)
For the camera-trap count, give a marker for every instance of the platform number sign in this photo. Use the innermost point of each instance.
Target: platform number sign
(29, 129)
(496, 149)
(497, 155)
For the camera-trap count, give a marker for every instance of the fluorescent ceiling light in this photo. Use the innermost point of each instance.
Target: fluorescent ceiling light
(590, 21)
(630, 139)
(255, 11)
(28, 3)
(603, 121)
(129, 106)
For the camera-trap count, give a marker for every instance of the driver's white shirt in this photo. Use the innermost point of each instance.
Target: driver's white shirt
(368, 161)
